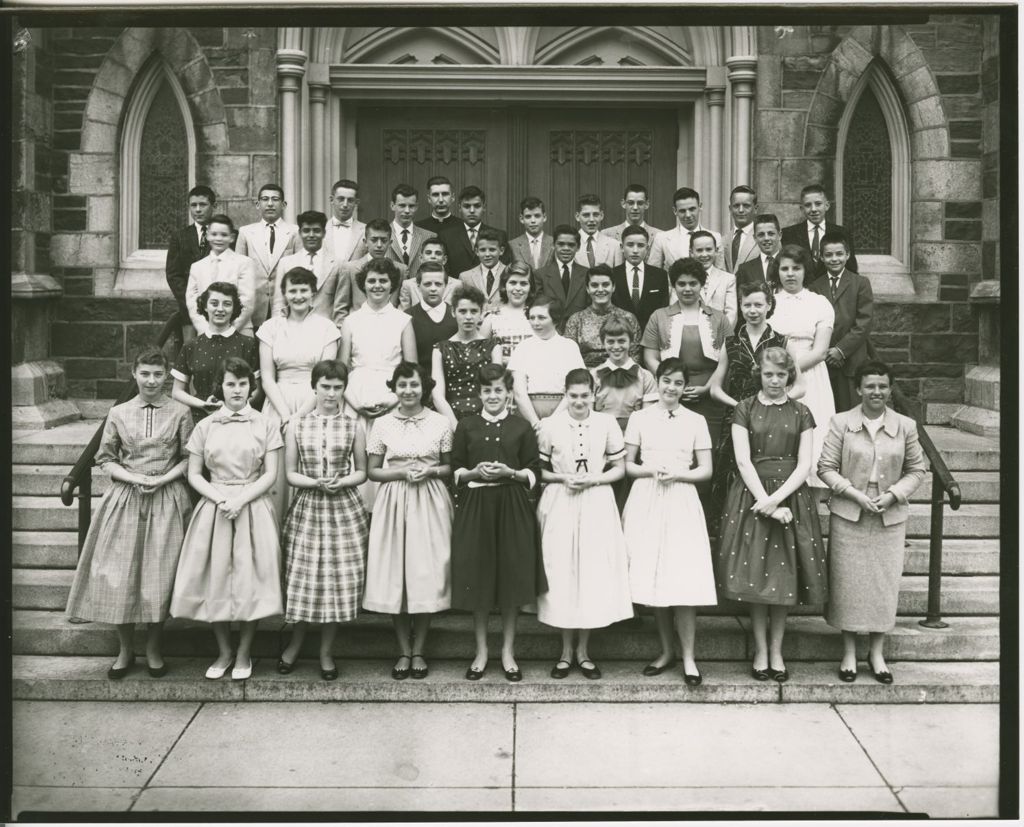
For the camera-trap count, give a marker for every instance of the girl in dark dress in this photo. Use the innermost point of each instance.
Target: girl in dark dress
(771, 553)
(496, 557)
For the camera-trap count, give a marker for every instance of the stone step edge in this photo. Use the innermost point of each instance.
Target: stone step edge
(84, 678)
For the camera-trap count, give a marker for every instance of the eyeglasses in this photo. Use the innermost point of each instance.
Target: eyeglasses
(270, 199)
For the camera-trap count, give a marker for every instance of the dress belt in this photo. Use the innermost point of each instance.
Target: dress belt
(774, 466)
(247, 481)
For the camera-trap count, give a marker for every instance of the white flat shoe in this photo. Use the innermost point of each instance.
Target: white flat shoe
(215, 673)
(240, 673)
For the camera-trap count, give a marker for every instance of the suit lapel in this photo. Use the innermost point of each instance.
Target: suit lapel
(844, 284)
(577, 282)
(281, 242)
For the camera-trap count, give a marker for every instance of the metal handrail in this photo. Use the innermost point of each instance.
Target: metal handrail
(79, 478)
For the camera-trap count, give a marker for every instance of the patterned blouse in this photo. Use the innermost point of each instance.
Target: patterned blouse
(584, 328)
(146, 437)
(200, 361)
(739, 381)
(426, 435)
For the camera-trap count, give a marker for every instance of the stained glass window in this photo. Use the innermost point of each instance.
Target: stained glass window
(163, 171)
(867, 178)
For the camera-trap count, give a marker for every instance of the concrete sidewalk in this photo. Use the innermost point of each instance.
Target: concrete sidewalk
(939, 759)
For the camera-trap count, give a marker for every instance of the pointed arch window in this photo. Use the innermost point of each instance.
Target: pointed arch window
(158, 150)
(873, 180)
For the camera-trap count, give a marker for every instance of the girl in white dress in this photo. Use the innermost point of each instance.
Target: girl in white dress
(806, 319)
(666, 533)
(584, 551)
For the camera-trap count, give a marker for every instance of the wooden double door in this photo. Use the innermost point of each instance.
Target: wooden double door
(556, 154)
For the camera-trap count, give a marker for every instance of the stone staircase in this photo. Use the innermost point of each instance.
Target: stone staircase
(55, 659)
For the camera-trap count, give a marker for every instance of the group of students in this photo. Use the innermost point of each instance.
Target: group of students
(474, 396)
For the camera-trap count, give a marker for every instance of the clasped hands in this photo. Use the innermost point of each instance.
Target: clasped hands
(147, 484)
(769, 507)
(493, 471)
(834, 357)
(330, 485)
(874, 505)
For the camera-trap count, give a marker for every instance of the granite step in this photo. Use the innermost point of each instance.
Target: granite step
(84, 679)
(45, 480)
(57, 446)
(975, 487)
(965, 452)
(44, 549)
(39, 632)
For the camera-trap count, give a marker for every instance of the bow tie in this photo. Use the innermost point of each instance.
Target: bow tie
(345, 224)
(618, 377)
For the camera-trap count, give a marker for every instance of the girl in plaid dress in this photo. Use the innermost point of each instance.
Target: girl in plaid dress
(325, 529)
(408, 570)
(126, 570)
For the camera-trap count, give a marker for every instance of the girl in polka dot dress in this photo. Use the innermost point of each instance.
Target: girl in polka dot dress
(771, 554)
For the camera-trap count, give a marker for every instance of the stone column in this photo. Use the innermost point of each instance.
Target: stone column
(714, 94)
(742, 76)
(291, 66)
(319, 85)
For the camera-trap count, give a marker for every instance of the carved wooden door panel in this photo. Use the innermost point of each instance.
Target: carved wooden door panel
(574, 152)
(411, 144)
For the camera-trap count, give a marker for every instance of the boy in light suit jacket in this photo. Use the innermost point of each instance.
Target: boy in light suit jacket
(266, 242)
(595, 247)
(534, 247)
(222, 264)
(315, 257)
(719, 291)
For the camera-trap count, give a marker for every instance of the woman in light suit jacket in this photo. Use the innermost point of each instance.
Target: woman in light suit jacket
(872, 462)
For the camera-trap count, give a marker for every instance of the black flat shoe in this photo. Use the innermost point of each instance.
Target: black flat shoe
(283, 667)
(561, 669)
(116, 673)
(692, 680)
(652, 669)
(513, 675)
(760, 674)
(156, 671)
(420, 674)
(882, 677)
(475, 674)
(401, 674)
(329, 674)
(780, 675)
(591, 671)
(847, 675)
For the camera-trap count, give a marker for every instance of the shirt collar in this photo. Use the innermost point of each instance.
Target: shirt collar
(608, 363)
(811, 226)
(396, 229)
(839, 277)
(748, 230)
(764, 400)
(489, 418)
(229, 332)
(276, 225)
(629, 268)
(435, 313)
(156, 403)
(890, 421)
(415, 418)
(224, 415)
(474, 229)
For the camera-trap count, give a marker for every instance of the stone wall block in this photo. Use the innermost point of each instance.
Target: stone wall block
(769, 81)
(919, 318)
(196, 76)
(207, 106)
(88, 340)
(83, 249)
(102, 212)
(178, 47)
(894, 45)
(30, 210)
(263, 77)
(942, 390)
(139, 336)
(798, 172)
(933, 257)
(133, 47)
(252, 128)
(821, 141)
(853, 57)
(910, 62)
(215, 137)
(926, 113)
(105, 106)
(36, 119)
(797, 100)
(927, 218)
(918, 85)
(930, 143)
(264, 170)
(947, 180)
(780, 133)
(990, 219)
(825, 110)
(111, 309)
(98, 136)
(91, 173)
(990, 128)
(228, 175)
(114, 77)
(962, 107)
(963, 319)
(90, 368)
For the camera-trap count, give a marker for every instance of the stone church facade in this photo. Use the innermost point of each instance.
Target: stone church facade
(111, 126)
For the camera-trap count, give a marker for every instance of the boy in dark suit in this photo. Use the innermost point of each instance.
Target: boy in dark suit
(852, 298)
(460, 236)
(186, 247)
(640, 288)
(809, 232)
(439, 194)
(766, 234)
(563, 278)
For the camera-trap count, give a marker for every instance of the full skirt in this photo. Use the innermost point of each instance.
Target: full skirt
(126, 571)
(409, 563)
(229, 569)
(585, 560)
(667, 541)
(325, 556)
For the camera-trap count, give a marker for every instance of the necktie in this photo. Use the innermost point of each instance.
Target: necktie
(815, 241)
(835, 286)
(565, 279)
(768, 266)
(405, 246)
(535, 250)
(490, 282)
(590, 251)
(472, 238)
(311, 257)
(736, 239)
(635, 292)
(204, 245)
(271, 237)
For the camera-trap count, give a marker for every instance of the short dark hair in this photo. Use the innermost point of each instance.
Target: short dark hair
(600, 270)
(381, 266)
(794, 252)
(565, 229)
(635, 188)
(378, 225)
(554, 306)
(329, 369)
(437, 242)
(673, 364)
(687, 267)
(472, 191)
(270, 188)
(467, 292)
(151, 356)
(225, 288)
(744, 189)
(767, 218)
(777, 356)
(298, 275)
(488, 234)
(834, 237)
(684, 193)
(220, 218)
(812, 188)
(203, 191)
(405, 190)
(407, 370)
(590, 199)
(517, 268)
(492, 372)
(430, 267)
(347, 183)
(237, 367)
(579, 376)
(702, 234)
(437, 180)
(635, 229)
(748, 288)
(873, 367)
(312, 217)
(531, 202)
